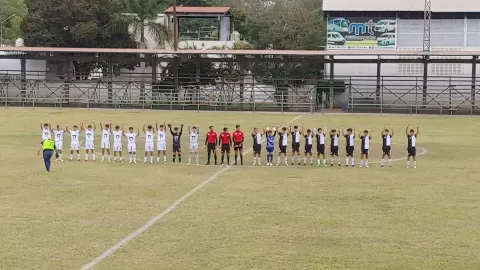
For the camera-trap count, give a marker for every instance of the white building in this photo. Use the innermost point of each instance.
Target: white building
(399, 25)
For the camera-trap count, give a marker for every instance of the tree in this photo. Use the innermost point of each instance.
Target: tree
(12, 11)
(75, 23)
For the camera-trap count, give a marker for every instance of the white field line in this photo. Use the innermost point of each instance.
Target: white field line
(158, 217)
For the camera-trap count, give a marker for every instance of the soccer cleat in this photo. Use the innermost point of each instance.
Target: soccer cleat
(134, 162)
(114, 162)
(144, 162)
(414, 167)
(353, 166)
(390, 166)
(381, 166)
(198, 164)
(208, 163)
(188, 163)
(339, 165)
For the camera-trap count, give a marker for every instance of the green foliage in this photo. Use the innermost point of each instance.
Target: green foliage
(75, 23)
(143, 18)
(11, 27)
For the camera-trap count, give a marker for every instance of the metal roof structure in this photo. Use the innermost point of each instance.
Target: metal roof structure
(404, 5)
(199, 10)
(292, 53)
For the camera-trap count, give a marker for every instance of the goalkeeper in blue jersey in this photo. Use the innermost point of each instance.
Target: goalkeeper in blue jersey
(270, 145)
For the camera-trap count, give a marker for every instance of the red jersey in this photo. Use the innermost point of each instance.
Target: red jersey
(237, 136)
(225, 138)
(211, 137)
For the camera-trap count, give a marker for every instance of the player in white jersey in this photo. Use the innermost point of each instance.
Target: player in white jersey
(46, 130)
(193, 131)
(132, 145)
(149, 142)
(90, 140)
(105, 143)
(58, 133)
(161, 142)
(117, 143)
(74, 141)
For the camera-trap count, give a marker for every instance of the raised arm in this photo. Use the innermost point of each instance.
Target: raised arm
(66, 128)
(392, 132)
(301, 130)
(290, 128)
(94, 126)
(81, 127)
(189, 128)
(360, 133)
(353, 132)
(181, 130)
(144, 130)
(50, 126)
(406, 130)
(418, 130)
(170, 127)
(138, 132)
(41, 125)
(156, 126)
(343, 131)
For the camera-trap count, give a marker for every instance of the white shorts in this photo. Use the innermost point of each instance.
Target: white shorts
(89, 145)
(105, 145)
(75, 146)
(117, 147)
(149, 147)
(132, 148)
(59, 145)
(161, 146)
(194, 147)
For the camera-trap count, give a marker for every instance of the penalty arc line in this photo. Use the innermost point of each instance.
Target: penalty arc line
(158, 217)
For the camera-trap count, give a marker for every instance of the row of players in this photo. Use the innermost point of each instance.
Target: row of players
(225, 141)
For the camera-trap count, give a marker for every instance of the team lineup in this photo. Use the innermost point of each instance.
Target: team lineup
(225, 141)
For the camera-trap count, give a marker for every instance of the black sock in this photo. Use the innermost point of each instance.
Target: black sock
(179, 158)
(241, 158)
(209, 153)
(223, 156)
(173, 158)
(236, 156)
(215, 157)
(228, 159)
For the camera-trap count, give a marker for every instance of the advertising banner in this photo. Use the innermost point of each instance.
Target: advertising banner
(361, 33)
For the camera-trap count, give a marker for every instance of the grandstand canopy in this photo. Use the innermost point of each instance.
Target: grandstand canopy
(403, 5)
(199, 11)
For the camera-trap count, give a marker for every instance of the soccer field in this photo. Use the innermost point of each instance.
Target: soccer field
(149, 216)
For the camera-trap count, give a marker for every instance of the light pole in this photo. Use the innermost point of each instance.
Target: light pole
(175, 26)
(1, 27)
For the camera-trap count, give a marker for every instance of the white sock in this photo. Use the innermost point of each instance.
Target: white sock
(121, 158)
(338, 159)
(196, 157)
(103, 157)
(60, 156)
(415, 163)
(286, 160)
(366, 162)
(114, 158)
(408, 163)
(145, 159)
(324, 162)
(71, 156)
(86, 156)
(299, 159)
(189, 158)
(158, 159)
(93, 156)
(78, 156)
(390, 162)
(304, 159)
(331, 160)
(151, 159)
(164, 158)
(259, 161)
(383, 162)
(353, 161)
(130, 157)
(254, 161)
(347, 160)
(293, 159)
(318, 161)
(311, 160)
(361, 162)
(109, 157)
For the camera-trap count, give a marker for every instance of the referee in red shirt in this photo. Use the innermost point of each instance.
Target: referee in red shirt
(211, 144)
(226, 140)
(238, 143)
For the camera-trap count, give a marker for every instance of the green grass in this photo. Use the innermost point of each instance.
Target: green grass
(246, 218)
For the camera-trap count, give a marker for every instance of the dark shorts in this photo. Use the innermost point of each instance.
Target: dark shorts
(321, 149)
(350, 150)
(176, 148)
(237, 146)
(364, 151)
(296, 147)
(257, 149)
(283, 149)
(210, 147)
(225, 148)
(386, 150)
(308, 148)
(412, 151)
(334, 150)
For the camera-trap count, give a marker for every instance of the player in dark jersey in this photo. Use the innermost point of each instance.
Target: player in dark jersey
(365, 149)
(334, 146)
(238, 139)
(282, 145)
(387, 146)
(350, 146)
(412, 145)
(296, 134)
(257, 146)
(225, 141)
(308, 147)
(176, 136)
(320, 135)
